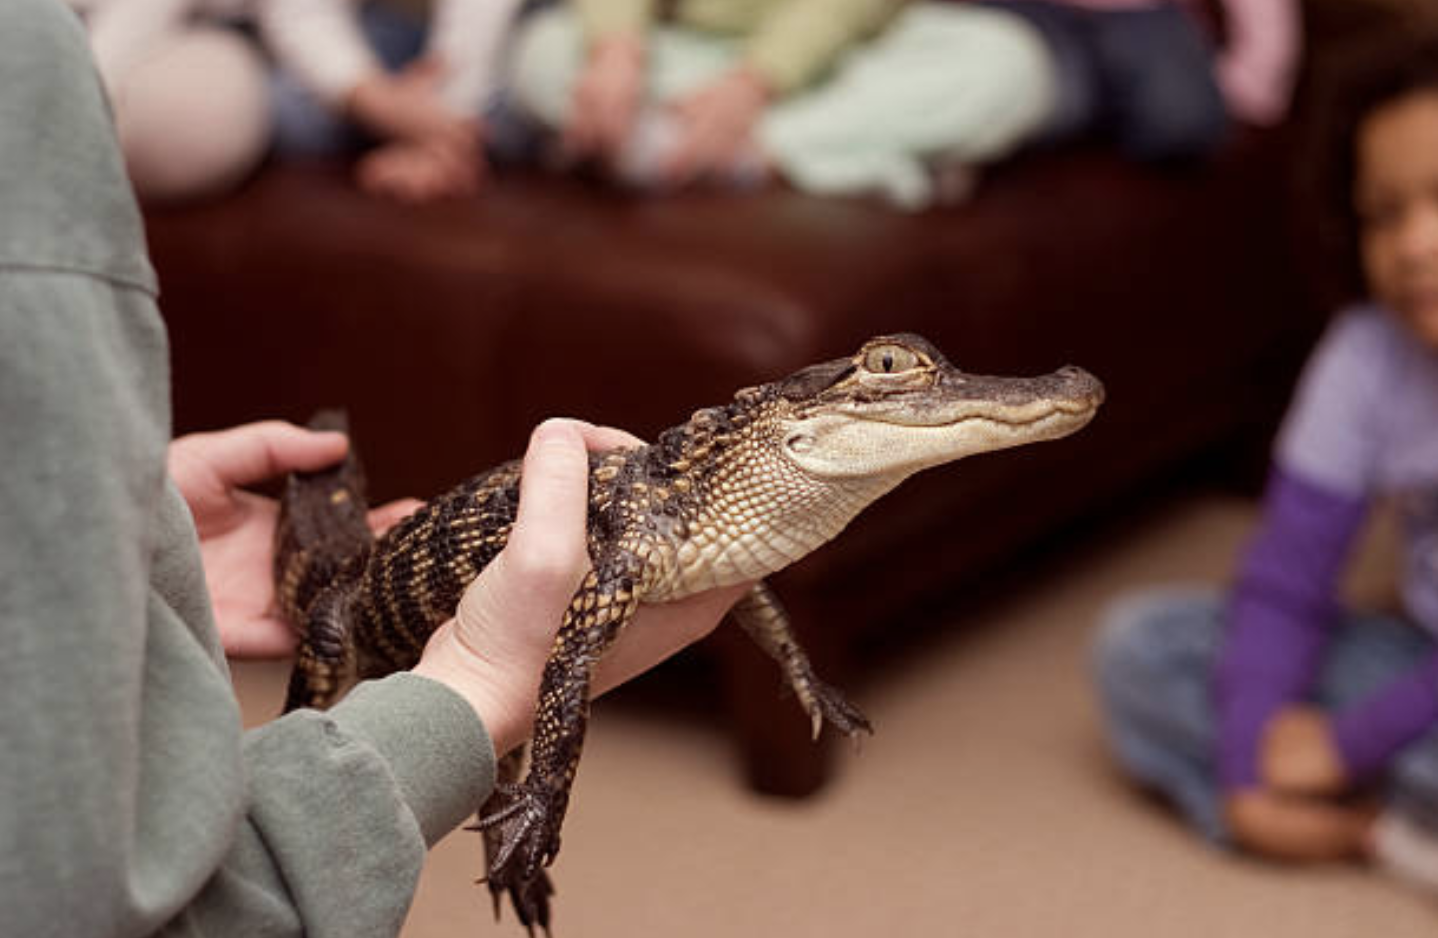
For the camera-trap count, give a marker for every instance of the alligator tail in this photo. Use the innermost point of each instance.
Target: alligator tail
(321, 539)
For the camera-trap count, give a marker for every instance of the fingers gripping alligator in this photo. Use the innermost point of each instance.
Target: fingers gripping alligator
(738, 492)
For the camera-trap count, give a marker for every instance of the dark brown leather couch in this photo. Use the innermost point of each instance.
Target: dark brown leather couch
(448, 331)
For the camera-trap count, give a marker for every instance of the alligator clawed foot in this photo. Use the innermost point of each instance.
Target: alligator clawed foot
(524, 828)
(530, 900)
(829, 703)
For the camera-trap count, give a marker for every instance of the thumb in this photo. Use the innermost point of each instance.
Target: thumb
(513, 609)
(257, 451)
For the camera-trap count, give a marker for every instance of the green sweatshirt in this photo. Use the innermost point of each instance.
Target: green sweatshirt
(131, 802)
(789, 42)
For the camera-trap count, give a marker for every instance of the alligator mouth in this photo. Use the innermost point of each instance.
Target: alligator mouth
(1057, 419)
(1021, 417)
(1069, 396)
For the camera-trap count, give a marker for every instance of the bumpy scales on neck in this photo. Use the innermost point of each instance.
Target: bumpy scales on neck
(736, 493)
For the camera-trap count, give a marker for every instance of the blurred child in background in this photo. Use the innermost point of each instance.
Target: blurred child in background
(363, 76)
(1148, 74)
(1267, 716)
(198, 104)
(832, 96)
(188, 91)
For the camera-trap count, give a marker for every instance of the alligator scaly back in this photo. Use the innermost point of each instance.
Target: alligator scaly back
(736, 493)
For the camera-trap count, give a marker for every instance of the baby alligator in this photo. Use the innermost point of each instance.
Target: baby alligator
(736, 493)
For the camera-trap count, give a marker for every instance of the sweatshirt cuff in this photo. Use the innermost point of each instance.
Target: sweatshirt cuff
(437, 749)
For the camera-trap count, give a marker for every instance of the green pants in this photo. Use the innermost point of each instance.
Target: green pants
(942, 83)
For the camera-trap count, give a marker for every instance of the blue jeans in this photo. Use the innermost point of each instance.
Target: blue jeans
(1142, 77)
(1154, 663)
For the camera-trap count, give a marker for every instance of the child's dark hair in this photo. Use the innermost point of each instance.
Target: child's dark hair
(1357, 82)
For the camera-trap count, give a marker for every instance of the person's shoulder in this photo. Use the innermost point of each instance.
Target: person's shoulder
(1332, 427)
(1364, 326)
(1360, 346)
(35, 32)
(65, 201)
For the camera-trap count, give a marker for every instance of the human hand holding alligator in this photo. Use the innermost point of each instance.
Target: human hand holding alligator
(494, 650)
(736, 493)
(236, 527)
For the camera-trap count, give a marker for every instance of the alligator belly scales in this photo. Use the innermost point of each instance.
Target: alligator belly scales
(738, 492)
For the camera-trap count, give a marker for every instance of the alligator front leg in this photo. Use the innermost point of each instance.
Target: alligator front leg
(762, 616)
(527, 817)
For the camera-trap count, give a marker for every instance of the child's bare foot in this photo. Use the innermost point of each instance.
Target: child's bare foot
(1298, 829)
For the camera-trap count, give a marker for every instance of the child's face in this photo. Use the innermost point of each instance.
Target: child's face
(1396, 198)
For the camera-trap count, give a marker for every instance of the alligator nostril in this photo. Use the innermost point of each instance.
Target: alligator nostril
(1079, 383)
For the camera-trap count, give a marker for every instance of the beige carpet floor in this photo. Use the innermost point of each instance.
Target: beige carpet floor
(984, 806)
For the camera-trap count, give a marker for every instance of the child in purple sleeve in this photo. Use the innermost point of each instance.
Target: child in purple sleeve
(1274, 717)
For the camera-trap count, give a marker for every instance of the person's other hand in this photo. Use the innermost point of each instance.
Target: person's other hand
(1298, 755)
(406, 105)
(1283, 827)
(607, 97)
(494, 651)
(716, 125)
(419, 171)
(237, 528)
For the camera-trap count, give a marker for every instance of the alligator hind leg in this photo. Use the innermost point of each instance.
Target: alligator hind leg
(324, 664)
(762, 616)
(530, 899)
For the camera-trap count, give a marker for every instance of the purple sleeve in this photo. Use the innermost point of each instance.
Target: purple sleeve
(1280, 613)
(1370, 733)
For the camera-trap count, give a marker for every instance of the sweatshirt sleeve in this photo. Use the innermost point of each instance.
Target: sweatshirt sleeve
(320, 42)
(340, 808)
(126, 778)
(131, 802)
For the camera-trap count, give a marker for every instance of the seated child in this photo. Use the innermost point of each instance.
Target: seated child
(1145, 73)
(197, 108)
(833, 96)
(187, 91)
(358, 73)
(1267, 716)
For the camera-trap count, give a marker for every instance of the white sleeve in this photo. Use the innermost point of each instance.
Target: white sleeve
(320, 42)
(468, 37)
(1333, 432)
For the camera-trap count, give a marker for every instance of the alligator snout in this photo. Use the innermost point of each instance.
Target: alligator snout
(1079, 386)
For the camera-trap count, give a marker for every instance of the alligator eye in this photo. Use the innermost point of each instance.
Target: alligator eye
(890, 359)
